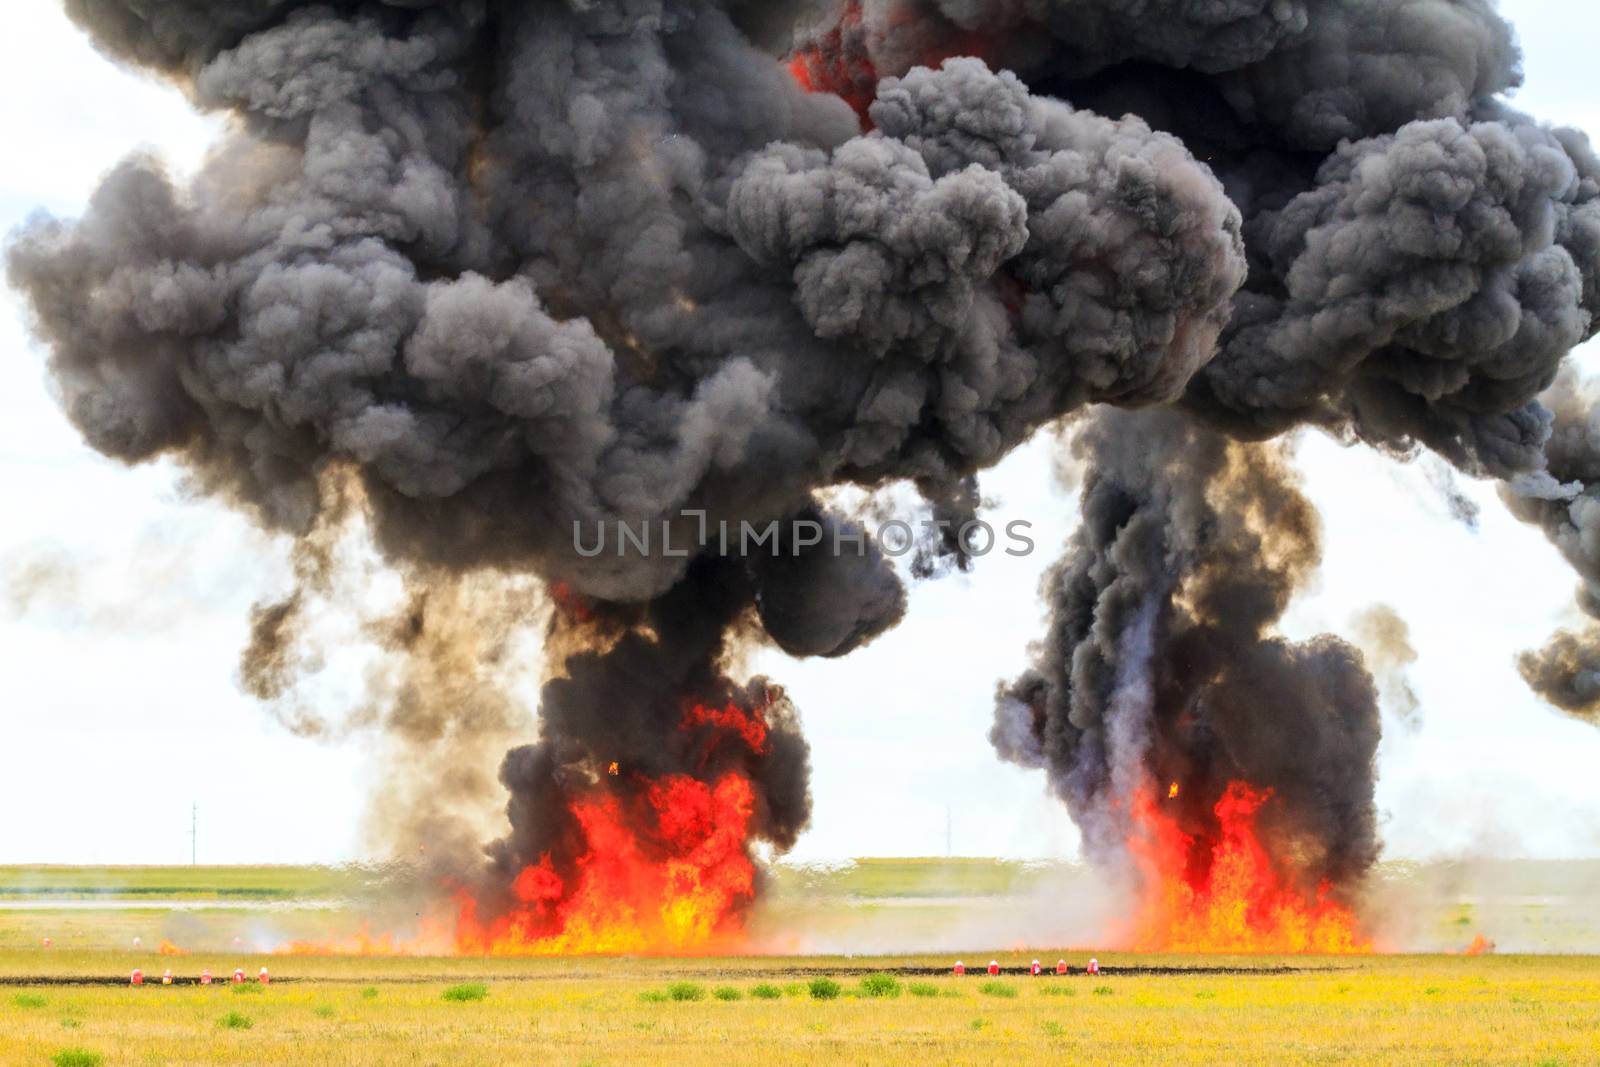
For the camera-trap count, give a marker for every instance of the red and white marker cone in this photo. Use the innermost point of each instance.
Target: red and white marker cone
(205, 977)
(994, 966)
(265, 978)
(1061, 966)
(137, 978)
(238, 976)
(1094, 966)
(1034, 968)
(166, 979)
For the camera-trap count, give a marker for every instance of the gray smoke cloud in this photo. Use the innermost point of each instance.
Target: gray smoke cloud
(1566, 671)
(1162, 666)
(476, 273)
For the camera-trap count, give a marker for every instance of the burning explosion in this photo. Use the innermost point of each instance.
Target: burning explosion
(474, 275)
(667, 869)
(1220, 891)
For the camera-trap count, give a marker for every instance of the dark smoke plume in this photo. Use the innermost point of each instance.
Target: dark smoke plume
(1161, 664)
(1566, 671)
(477, 273)
(498, 271)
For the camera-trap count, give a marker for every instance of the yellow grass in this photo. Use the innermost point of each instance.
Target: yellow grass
(1385, 1010)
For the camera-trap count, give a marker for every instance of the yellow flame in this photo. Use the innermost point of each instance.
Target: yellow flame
(1172, 790)
(613, 769)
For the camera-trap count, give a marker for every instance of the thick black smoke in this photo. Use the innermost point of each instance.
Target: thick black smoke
(505, 272)
(1162, 666)
(502, 271)
(1566, 671)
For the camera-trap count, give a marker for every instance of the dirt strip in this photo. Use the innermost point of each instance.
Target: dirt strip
(741, 974)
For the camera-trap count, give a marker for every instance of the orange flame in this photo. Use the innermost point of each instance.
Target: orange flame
(1479, 946)
(1172, 791)
(167, 948)
(1226, 894)
(682, 895)
(571, 603)
(665, 868)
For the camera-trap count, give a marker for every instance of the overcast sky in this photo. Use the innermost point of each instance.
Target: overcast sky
(121, 708)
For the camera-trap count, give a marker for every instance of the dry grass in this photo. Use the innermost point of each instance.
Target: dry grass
(1388, 1010)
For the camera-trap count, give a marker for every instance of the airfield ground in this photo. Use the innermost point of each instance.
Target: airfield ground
(69, 1004)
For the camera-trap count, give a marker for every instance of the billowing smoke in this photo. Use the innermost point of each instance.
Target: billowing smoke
(1162, 665)
(496, 278)
(1566, 671)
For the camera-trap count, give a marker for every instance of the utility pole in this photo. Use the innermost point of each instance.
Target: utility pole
(194, 835)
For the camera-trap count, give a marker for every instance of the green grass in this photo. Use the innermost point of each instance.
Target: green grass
(1491, 1011)
(880, 985)
(727, 992)
(235, 1021)
(825, 989)
(998, 989)
(685, 992)
(28, 1000)
(188, 883)
(766, 991)
(466, 992)
(77, 1057)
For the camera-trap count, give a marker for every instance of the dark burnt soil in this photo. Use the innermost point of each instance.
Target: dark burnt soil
(752, 973)
(979, 971)
(95, 980)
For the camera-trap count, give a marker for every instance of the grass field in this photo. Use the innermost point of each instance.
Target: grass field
(69, 1004)
(184, 883)
(1388, 1010)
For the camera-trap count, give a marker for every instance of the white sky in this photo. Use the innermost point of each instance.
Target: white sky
(120, 709)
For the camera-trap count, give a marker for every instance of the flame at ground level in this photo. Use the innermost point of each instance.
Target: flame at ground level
(1225, 894)
(663, 867)
(687, 898)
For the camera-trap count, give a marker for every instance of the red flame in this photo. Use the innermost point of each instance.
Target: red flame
(750, 728)
(680, 890)
(664, 867)
(840, 62)
(1225, 893)
(1480, 945)
(570, 603)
